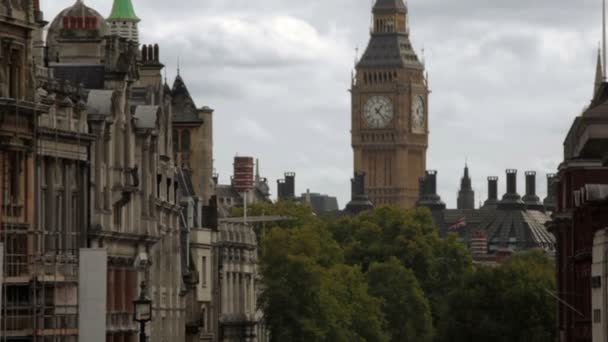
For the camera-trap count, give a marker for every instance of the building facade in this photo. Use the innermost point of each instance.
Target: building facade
(19, 112)
(193, 138)
(390, 110)
(133, 202)
(580, 221)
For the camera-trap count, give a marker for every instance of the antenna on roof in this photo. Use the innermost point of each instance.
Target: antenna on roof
(178, 65)
(604, 35)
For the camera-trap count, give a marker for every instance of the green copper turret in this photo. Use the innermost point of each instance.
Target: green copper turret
(123, 10)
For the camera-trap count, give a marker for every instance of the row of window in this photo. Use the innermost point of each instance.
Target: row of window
(80, 23)
(379, 77)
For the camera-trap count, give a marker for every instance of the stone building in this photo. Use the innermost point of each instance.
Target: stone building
(134, 206)
(390, 109)
(580, 222)
(200, 263)
(193, 138)
(19, 22)
(500, 227)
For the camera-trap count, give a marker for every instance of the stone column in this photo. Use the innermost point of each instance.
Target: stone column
(252, 299)
(224, 294)
(145, 176)
(109, 165)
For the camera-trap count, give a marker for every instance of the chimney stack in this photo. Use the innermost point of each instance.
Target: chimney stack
(290, 185)
(531, 200)
(429, 197)
(550, 201)
(511, 200)
(286, 188)
(492, 192)
(359, 200)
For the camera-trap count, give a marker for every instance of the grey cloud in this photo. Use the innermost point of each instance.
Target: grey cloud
(508, 77)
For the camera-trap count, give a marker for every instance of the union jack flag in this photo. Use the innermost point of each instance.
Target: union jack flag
(462, 222)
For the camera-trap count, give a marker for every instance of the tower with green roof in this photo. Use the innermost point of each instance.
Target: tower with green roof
(123, 20)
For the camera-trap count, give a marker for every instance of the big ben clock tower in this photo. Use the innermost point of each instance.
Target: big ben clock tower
(390, 110)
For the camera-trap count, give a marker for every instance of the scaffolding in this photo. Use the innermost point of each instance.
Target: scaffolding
(43, 213)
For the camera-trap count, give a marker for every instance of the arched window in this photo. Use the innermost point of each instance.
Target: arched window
(185, 141)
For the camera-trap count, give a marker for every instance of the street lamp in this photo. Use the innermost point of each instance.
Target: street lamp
(143, 311)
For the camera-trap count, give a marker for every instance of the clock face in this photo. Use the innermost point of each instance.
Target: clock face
(418, 118)
(378, 112)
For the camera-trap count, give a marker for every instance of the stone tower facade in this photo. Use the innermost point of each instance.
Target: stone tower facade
(466, 195)
(193, 139)
(390, 110)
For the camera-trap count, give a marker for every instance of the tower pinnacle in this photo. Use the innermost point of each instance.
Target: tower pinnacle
(123, 20)
(466, 195)
(599, 73)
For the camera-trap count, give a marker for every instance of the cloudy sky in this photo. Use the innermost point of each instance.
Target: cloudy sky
(507, 79)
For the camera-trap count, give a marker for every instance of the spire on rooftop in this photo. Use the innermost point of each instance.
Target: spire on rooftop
(599, 73)
(466, 195)
(122, 10)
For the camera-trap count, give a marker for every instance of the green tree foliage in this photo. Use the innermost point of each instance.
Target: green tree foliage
(412, 238)
(386, 275)
(506, 303)
(310, 295)
(404, 304)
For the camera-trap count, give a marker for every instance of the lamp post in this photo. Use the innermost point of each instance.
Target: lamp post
(143, 311)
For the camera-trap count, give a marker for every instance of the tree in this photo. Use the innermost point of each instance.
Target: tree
(310, 295)
(506, 303)
(411, 237)
(404, 305)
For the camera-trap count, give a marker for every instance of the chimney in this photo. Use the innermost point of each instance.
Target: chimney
(359, 200)
(281, 189)
(290, 185)
(511, 182)
(429, 197)
(531, 200)
(511, 200)
(550, 201)
(492, 192)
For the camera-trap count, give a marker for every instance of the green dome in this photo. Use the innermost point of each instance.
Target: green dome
(123, 10)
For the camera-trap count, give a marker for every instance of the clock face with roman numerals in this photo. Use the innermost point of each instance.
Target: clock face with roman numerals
(378, 112)
(418, 115)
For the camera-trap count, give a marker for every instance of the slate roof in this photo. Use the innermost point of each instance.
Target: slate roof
(390, 5)
(99, 102)
(146, 116)
(515, 229)
(90, 76)
(184, 108)
(390, 50)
